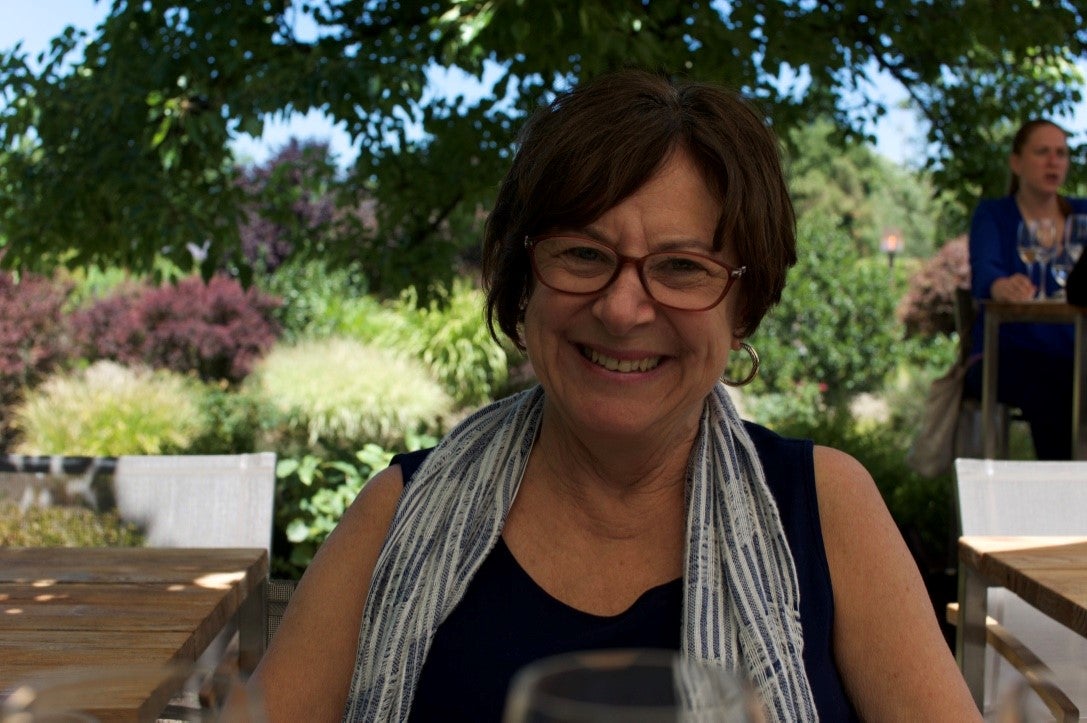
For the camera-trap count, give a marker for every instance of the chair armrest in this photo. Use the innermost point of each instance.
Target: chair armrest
(1037, 674)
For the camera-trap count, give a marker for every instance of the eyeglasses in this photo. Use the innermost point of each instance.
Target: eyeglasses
(675, 279)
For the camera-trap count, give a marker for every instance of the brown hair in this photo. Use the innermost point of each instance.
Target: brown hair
(596, 145)
(1018, 141)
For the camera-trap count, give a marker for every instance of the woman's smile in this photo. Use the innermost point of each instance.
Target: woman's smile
(614, 364)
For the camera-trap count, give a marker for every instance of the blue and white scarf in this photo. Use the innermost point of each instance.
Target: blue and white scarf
(741, 605)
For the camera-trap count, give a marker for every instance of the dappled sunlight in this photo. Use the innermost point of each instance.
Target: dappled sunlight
(219, 580)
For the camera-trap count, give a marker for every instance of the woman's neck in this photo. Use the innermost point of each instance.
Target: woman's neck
(1038, 206)
(610, 463)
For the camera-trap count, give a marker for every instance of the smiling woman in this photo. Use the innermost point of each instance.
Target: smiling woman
(638, 239)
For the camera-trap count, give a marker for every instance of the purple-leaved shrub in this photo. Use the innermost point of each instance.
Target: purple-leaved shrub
(217, 330)
(33, 336)
(928, 308)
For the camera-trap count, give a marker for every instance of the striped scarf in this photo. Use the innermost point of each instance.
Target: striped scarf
(741, 604)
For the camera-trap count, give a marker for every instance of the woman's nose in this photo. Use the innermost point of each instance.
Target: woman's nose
(624, 303)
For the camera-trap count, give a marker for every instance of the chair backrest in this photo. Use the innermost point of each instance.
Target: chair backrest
(198, 500)
(176, 500)
(965, 312)
(1019, 497)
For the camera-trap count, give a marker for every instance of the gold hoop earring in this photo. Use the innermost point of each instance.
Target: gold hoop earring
(754, 367)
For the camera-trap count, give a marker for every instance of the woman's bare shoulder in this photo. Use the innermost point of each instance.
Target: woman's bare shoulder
(306, 672)
(888, 646)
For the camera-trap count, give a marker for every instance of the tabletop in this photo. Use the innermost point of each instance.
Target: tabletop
(1042, 310)
(67, 607)
(1049, 573)
(1047, 311)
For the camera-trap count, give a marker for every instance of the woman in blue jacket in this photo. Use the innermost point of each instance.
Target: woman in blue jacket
(1035, 359)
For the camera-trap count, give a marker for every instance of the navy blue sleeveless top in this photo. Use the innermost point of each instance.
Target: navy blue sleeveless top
(506, 621)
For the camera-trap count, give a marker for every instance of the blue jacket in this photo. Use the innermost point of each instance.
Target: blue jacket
(993, 255)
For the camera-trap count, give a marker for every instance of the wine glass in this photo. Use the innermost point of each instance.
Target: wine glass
(1060, 266)
(1075, 235)
(1026, 244)
(1049, 244)
(613, 686)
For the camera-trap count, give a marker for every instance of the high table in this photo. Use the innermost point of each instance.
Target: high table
(1041, 312)
(68, 607)
(1049, 573)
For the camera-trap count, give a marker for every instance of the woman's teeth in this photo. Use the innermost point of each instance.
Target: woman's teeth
(621, 365)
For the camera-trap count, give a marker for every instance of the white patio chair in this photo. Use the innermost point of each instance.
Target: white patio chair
(198, 500)
(1005, 497)
(223, 500)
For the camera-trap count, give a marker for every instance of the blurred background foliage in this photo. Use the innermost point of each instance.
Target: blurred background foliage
(280, 305)
(311, 362)
(147, 104)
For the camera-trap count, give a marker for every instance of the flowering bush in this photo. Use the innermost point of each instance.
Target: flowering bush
(291, 204)
(216, 329)
(928, 308)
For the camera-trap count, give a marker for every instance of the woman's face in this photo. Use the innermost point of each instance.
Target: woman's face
(1042, 163)
(616, 362)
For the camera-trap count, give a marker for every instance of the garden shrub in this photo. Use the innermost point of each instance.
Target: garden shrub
(801, 407)
(340, 394)
(231, 421)
(312, 494)
(64, 526)
(928, 308)
(217, 329)
(33, 336)
(291, 203)
(835, 324)
(107, 410)
(107, 328)
(90, 283)
(317, 298)
(450, 335)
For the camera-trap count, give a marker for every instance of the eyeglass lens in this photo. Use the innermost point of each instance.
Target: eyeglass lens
(674, 278)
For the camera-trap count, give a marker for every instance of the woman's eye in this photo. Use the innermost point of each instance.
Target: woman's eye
(585, 254)
(680, 265)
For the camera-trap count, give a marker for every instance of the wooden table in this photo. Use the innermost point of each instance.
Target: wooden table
(1039, 312)
(1049, 573)
(62, 607)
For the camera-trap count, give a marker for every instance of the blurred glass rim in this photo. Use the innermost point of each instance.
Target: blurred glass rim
(528, 689)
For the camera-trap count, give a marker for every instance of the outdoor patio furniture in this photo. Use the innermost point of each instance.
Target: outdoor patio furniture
(1027, 498)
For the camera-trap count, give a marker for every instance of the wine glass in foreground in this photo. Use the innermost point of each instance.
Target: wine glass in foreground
(629, 686)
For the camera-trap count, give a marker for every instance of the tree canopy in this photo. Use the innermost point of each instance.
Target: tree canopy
(123, 154)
